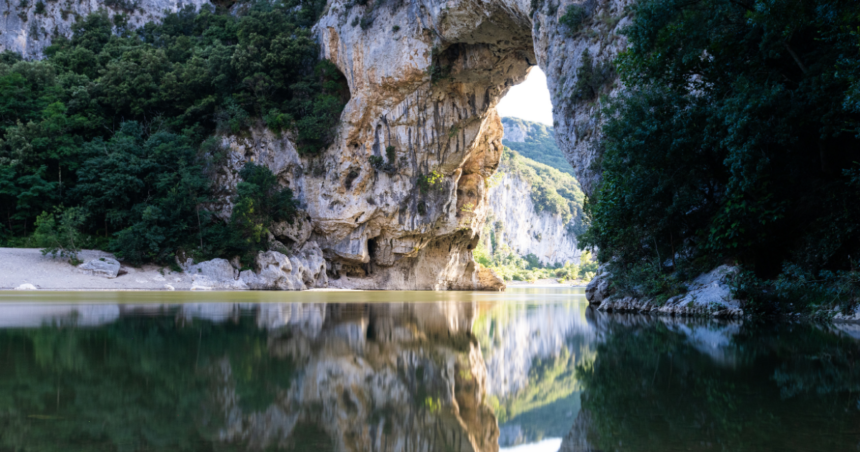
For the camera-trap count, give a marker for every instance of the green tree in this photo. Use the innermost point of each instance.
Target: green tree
(113, 120)
(260, 202)
(63, 237)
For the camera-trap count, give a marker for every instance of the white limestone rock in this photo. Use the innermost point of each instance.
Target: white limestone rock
(105, 267)
(215, 274)
(597, 289)
(525, 229)
(27, 32)
(274, 271)
(707, 295)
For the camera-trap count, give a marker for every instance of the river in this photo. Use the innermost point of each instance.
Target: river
(530, 369)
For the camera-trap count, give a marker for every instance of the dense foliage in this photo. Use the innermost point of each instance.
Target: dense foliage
(736, 141)
(114, 120)
(539, 144)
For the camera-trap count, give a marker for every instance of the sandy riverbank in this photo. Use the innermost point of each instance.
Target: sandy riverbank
(21, 266)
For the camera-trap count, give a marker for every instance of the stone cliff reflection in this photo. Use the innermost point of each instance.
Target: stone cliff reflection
(351, 377)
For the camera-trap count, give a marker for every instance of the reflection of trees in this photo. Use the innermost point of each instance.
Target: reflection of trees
(650, 389)
(132, 385)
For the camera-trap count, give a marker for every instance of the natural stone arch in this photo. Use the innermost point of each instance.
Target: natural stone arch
(431, 86)
(430, 73)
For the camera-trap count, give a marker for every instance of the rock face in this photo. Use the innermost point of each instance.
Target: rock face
(424, 80)
(428, 89)
(526, 230)
(25, 30)
(577, 122)
(516, 131)
(104, 266)
(708, 294)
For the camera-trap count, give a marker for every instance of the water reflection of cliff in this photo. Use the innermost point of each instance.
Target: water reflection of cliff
(671, 384)
(357, 377)
(532, 351)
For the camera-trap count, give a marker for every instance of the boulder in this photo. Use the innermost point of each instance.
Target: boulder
(274, 271)
(489, 280)
(297, 232)
(214, 274)
(598, 289)
(105, 267)
(310, 266)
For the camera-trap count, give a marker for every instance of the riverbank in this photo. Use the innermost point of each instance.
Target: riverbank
(548, 282)
(707, 295)
(27, 268)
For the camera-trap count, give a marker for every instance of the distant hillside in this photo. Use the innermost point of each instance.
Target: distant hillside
(536, 213)
(535, 141)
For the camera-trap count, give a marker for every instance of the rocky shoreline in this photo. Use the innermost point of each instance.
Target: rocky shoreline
(304, 269)
(28, 269)
(709, 295)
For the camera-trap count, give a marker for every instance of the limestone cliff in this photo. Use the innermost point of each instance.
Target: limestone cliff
(517, 219)
(27, 26)
(560, 52)
(525, 229)
(424, 78)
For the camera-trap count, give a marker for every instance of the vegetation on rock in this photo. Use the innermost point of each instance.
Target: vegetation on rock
(114, 121)
(539, 144)
(551, 190)
(573, 18)
(736, 141)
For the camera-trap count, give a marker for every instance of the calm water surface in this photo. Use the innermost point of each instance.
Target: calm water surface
(525, 370)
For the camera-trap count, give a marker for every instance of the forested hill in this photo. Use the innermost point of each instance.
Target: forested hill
(535, 141)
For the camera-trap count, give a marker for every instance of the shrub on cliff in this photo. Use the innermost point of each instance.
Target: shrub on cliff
(573, 18)
(737, 139)
(260, 202)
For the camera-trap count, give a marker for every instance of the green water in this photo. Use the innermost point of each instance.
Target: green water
(410, 371)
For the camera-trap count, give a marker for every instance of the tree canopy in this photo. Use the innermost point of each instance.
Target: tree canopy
(737, 139)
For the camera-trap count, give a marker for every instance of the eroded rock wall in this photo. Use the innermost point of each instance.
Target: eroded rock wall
(560, 52)
(526, 230)
(424, 78)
